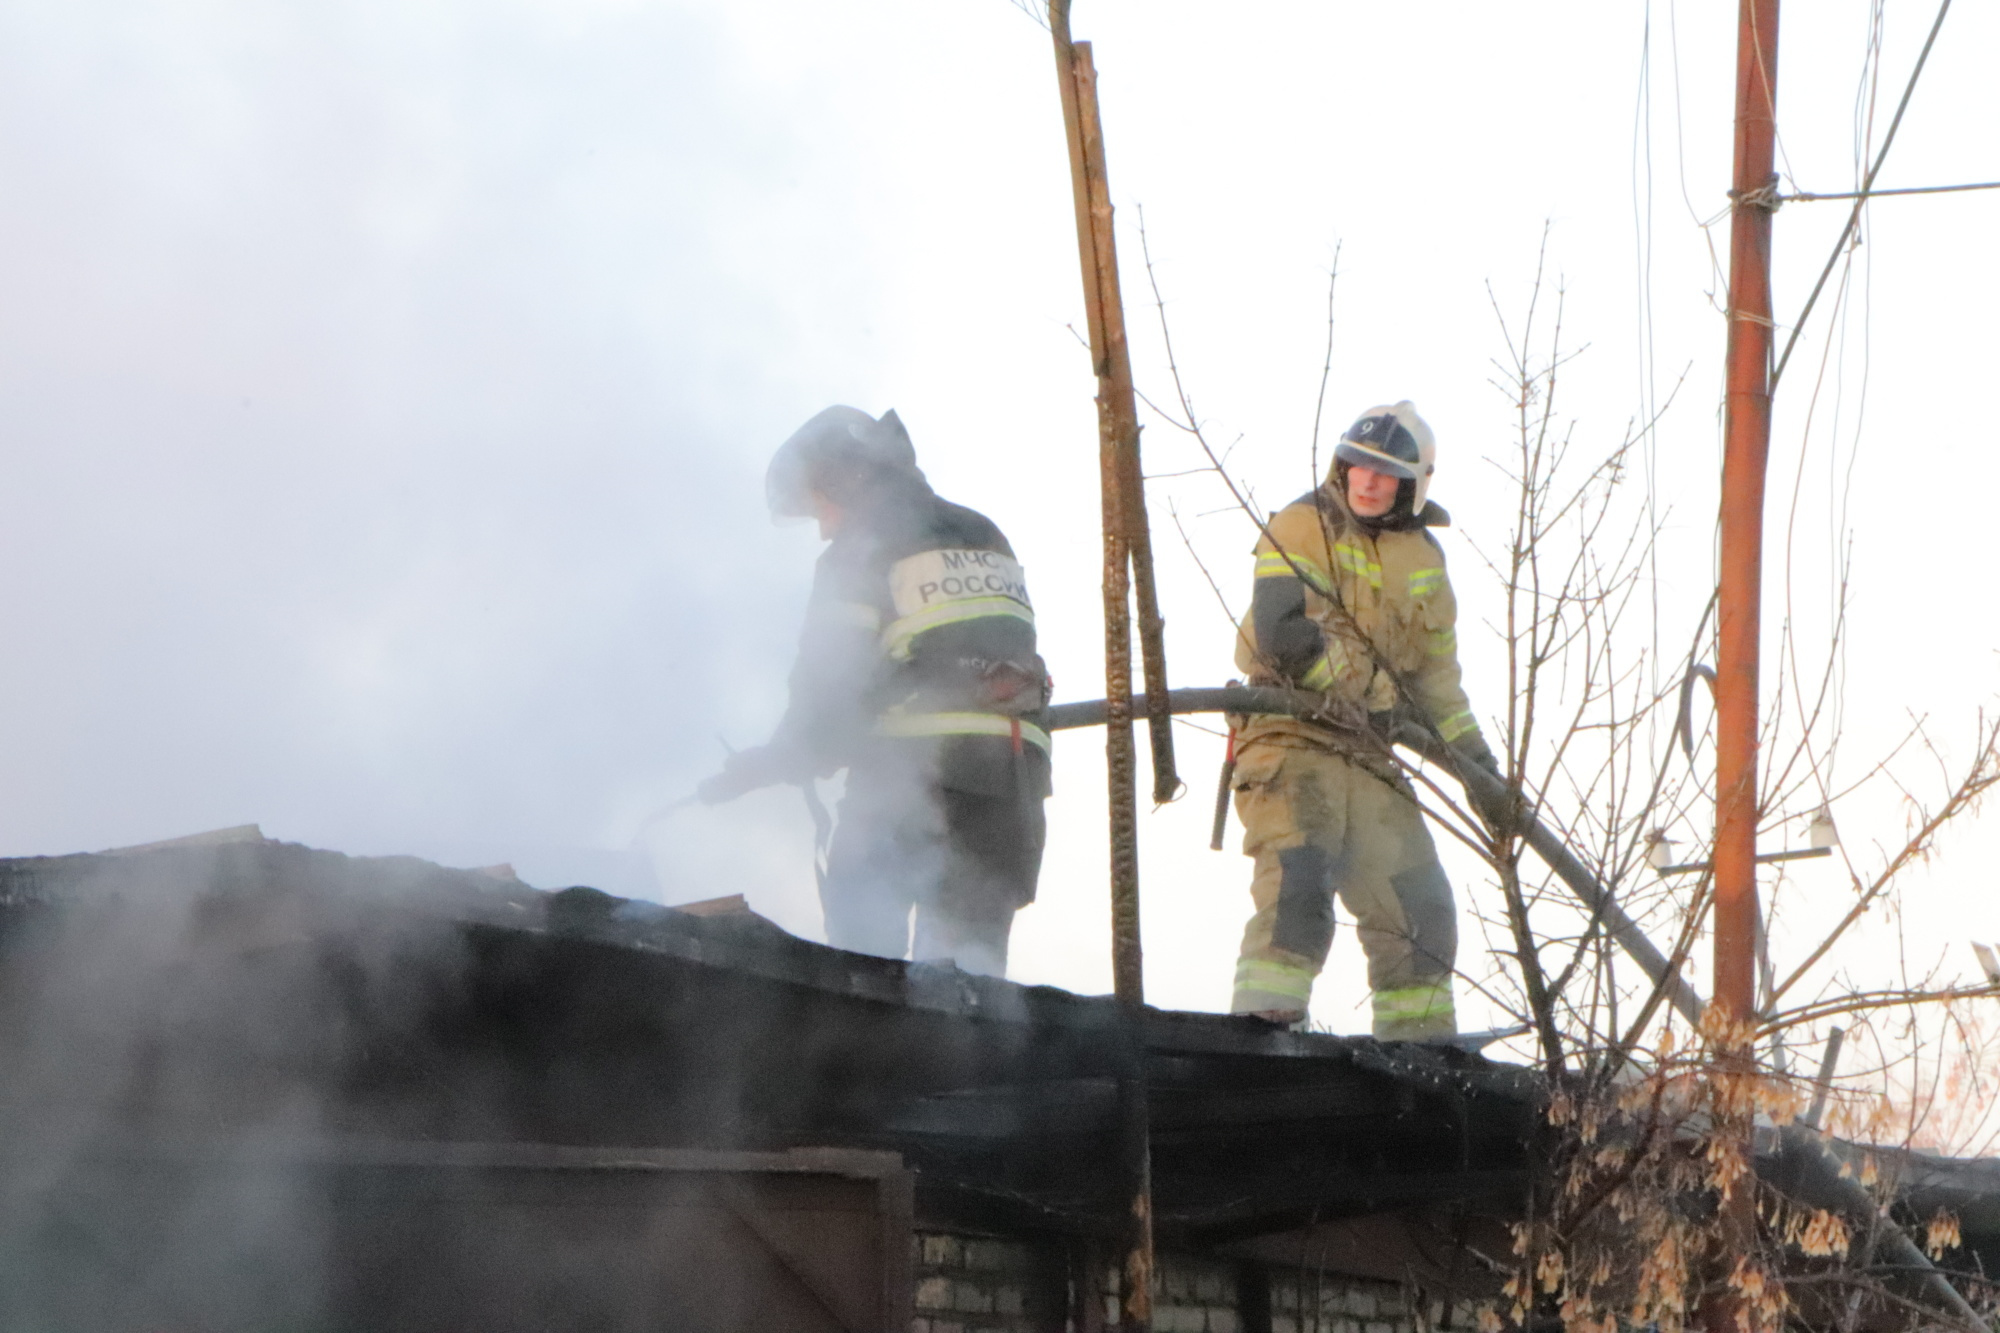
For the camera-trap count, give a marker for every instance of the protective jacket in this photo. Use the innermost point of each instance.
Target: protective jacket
(1361, 612)
(918, 652)
(1347, 609)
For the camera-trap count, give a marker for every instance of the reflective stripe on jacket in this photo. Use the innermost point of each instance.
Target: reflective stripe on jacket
(1344, 611)
(920, 633)
(894, 723)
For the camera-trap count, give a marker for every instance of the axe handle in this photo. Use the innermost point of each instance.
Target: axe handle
(1222, 786)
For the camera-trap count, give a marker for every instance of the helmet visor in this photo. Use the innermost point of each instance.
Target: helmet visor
(1375, 459)
(788, 487)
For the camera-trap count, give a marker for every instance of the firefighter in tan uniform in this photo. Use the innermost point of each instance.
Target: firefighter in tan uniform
(1351, 600)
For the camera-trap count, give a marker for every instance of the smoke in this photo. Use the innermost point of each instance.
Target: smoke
(169, 1021)
(385, 405)
(383, 389)
(255, 1085)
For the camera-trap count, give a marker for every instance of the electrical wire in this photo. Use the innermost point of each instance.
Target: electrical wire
(1867, 185)
(1808, 196)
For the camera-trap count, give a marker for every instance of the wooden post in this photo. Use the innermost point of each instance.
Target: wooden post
(1117, 405)
(1112, 424)
(1127, 552)
(1746, 447)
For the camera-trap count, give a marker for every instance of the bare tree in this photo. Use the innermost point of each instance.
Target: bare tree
(1600, 743)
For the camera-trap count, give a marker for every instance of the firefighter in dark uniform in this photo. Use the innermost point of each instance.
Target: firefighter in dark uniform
(917, 673)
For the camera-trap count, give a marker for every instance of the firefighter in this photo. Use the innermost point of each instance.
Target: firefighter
(917, 673)
(1351, 599)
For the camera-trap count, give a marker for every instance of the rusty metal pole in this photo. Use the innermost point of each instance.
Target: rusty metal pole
(1126, 549)
(1746, 446)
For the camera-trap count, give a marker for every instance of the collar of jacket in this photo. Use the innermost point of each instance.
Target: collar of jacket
(1334, 504)
(888, 509)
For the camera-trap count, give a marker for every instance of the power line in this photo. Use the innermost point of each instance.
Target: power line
(1808, 196)
(1867, 184)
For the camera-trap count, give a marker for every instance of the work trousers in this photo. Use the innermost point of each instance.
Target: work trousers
(1315, 824)
(966, 862)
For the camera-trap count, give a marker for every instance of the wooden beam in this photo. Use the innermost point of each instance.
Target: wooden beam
(1127, 559)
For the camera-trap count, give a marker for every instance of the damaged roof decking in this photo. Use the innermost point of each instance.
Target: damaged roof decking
(269, 990)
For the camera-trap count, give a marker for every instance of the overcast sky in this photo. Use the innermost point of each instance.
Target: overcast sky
(385, 388)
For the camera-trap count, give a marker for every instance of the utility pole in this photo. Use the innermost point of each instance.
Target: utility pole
(1746, 433)
(1746, 446)
(1128, 566)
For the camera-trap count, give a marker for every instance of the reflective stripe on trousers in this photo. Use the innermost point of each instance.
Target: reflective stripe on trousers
(1317, 825)
(1291, 982)
(1412, 1013)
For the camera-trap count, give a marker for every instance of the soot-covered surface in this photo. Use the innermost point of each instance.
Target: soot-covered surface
(268, 993)
(239, 1079)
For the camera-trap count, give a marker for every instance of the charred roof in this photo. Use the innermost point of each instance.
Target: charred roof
(203, 998)
(264, 989)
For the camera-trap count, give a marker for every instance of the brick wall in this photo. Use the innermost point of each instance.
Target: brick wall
(1308, 1302)
(976, 1284)
(1195, 1296)
(972, 1284)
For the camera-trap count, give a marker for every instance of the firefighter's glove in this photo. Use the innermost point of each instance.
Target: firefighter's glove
(1488, 792)
(1387, 725)
(746, 771)
(1475, 748)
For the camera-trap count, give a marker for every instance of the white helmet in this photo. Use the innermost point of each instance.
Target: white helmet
(1396, 441)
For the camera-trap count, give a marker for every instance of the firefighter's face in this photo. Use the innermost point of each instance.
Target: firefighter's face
(830, 515)
(1370, 494)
